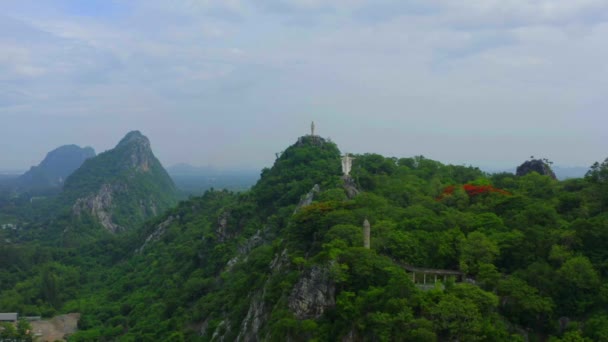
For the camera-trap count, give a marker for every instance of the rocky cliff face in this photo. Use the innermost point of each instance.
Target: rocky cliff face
(308, 198)
(139, 154)
(157, 233)
(313, 294)
(535, 165)
(350, 187)
(222, 231)
(259, 311)
(99, 205)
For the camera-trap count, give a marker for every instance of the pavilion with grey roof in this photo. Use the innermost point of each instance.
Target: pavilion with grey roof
(9, 316)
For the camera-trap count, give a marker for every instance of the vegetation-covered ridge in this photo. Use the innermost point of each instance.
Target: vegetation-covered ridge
(267, 265)
(121, 188)
(131, 156)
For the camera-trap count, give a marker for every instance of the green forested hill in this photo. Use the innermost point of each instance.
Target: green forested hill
(259, 266)
(122, 187)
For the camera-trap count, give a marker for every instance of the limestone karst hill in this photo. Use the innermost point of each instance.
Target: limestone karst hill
(311, 160)
(122, 187)
(55, 168)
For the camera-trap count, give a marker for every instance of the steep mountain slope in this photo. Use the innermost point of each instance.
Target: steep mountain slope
(55, 168)
(122, 187)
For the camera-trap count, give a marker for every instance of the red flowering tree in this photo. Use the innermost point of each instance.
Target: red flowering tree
(472, 190)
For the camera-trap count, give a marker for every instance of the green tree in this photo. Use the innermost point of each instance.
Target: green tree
(475, 250)
(579, 282)
(596, 328)
(457, 319)
(522, 303)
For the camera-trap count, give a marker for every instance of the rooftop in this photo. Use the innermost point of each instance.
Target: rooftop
(8, 316)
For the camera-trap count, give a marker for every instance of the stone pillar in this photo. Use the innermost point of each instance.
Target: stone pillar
(366, 234)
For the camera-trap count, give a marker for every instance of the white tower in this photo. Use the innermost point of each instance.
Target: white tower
(312, 129)
(366, 234)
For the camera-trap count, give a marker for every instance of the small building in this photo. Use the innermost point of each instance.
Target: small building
(9, 317)
(431, 276)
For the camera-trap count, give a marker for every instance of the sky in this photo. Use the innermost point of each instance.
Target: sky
(231, 82)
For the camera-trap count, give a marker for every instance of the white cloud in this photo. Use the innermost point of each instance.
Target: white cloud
(523, 12)
(408, 69)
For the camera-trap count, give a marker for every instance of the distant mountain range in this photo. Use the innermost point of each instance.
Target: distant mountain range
(569, 172)
(562, 172)
(55, 168)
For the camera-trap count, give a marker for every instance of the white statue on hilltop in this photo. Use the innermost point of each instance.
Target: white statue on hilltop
(347, 164)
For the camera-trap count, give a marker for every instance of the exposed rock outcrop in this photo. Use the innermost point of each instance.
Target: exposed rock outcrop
(225, 327)
(140, 153)
(308, 198)
(313, 294)
(257, 315)
(99, 205)
(280, 262)
(258, 312)
(535, 165)
(157, 233)
(258, 239)
(350, 187)
(222, 227)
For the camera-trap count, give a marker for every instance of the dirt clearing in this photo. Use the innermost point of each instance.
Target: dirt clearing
(55, 328)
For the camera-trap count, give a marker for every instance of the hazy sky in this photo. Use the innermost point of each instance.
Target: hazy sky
(231, 82)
